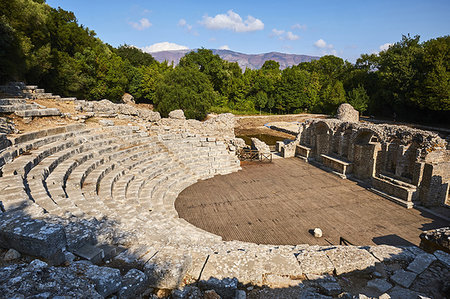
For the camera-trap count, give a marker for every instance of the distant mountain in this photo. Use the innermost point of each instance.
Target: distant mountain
(252, 61)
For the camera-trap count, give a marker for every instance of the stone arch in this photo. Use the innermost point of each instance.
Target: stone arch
(364, 151)
(322, 139)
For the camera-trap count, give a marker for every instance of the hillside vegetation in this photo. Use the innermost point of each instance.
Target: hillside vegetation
(46, 46)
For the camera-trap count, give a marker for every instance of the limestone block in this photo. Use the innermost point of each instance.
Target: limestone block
(177, 114)
(225, 287)
(348, 259)
(421, 262)
(260, 146)
(167, 269)
(33, 237)
(133, 284)
(106, 280)
(11, 254)
(128, 99)
(443, 257)
(403, 278)
(386, 253)
(314, 262)
(381, 285)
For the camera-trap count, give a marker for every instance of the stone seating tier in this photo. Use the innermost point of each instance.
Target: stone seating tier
(117, 174)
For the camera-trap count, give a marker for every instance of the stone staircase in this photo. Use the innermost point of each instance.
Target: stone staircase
(20, 103)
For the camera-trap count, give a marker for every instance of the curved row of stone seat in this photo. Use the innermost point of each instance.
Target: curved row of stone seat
(65, 176)
(25, 142)
(54, 149)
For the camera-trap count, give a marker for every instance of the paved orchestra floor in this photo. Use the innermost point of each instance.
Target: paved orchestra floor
(279, 202)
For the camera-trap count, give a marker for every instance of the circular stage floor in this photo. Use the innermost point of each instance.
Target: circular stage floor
(278, 203)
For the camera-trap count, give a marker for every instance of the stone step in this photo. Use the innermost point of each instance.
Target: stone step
(38, 112)
(17, 107)
(12, 101)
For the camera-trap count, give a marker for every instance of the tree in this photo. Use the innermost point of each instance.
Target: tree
(358, 98)
(185, 88)
(270, 65)
(134, 55)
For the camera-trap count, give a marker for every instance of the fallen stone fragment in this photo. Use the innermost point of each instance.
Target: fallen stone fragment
(240, 294)
(421, 262)
(106, 122)
(33, 237)
(318, 232)
(330, 288)
(224, 287)
(177, 114)
(106, 280)
(398, 292)
(380, 285)
(11, 254)
(166, 270)
(133, 284)
(38, 280)
(403, 278)
(211, 294)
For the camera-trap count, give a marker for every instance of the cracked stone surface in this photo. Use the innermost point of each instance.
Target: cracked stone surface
(347, 259)
(403, 278)
(421, 262)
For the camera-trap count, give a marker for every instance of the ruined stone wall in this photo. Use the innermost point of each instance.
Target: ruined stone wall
(396, 159)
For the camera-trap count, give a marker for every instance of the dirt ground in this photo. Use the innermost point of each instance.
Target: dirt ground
(254, 124)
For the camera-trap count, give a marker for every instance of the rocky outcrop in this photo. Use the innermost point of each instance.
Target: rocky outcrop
(346, 112)
(177, 114)
(106, 108)
(128, 99)
(436, 239)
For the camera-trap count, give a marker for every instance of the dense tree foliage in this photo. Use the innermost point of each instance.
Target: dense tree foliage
(46, 46)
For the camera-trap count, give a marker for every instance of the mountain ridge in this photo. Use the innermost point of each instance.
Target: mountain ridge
(252, 61)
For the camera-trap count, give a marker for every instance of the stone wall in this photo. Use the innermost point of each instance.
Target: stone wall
(393, 159)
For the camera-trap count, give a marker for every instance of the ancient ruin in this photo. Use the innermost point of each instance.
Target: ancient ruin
(87, 207)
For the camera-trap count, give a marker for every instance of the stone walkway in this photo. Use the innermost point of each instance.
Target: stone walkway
(278, 203)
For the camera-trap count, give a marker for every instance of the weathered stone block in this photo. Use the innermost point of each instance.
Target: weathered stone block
(33, 237)
(133, 284)
(403, 278)
(421, 262)
(348, 259)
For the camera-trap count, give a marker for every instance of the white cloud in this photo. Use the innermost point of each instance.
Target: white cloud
(283, 35)
(232, 21)
(291, 36)
(321, 44)
(142, 24)
(385, 46)
(164, 46)
(276, 32)
(298, 26)
(188, 27)
(325, 47)
(224, 47)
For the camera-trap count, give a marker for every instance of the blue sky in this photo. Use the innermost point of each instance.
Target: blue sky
(343, 28)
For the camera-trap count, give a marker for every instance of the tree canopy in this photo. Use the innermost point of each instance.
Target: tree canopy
(46, 46)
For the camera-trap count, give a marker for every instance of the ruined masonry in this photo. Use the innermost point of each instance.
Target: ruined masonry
(405, 165)
(101, 198)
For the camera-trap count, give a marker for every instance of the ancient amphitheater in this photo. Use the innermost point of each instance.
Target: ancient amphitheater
(88, 206)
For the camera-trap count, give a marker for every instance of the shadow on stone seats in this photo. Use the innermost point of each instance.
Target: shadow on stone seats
(393, 240)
